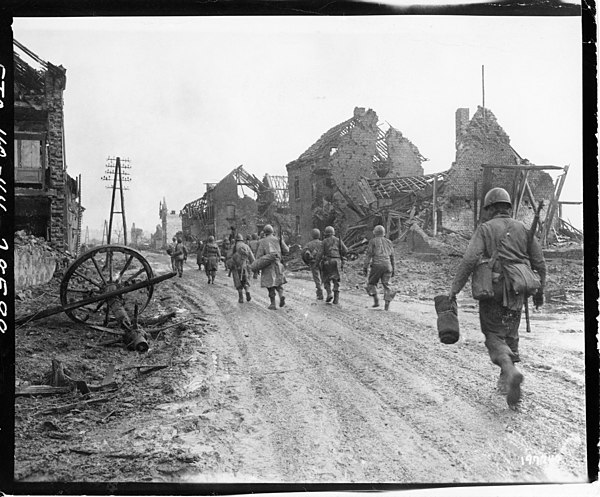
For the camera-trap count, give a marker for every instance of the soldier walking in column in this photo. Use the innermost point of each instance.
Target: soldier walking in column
(272, 277)
(211, 257)
(179, 255)
(506, 242)
(238, 260)
(309, 256)
(380, 258)
(330, 257)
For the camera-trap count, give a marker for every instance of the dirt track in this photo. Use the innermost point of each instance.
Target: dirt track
(320, 393)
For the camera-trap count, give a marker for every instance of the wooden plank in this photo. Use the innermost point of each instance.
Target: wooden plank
(520, 167)
(42, 390)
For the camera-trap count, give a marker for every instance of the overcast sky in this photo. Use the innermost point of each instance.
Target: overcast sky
(190, 99)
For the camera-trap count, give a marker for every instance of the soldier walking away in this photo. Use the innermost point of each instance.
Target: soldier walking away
(272, 277)
(170, 251)
(238, 260)
(179, 256)
(309, 256)
(380, 257)
(330, 257)
(199, 251)
(211, 257)
(507, 242)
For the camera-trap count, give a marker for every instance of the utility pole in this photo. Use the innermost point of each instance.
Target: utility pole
(483, 90)
(104, 232)
(114, 173)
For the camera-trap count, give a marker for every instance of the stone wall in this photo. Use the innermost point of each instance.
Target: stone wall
(324, 179)
(33, 266)
(404, 157)
(55, 82)
(482, 140)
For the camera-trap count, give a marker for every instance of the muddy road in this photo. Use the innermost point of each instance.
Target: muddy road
(311, 392)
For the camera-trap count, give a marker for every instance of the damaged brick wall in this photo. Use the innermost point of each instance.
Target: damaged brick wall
(55, 82)
(481, 140)
(323, 182)
(404, 157)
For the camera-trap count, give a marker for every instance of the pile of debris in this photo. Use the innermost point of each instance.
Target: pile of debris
(28, 243)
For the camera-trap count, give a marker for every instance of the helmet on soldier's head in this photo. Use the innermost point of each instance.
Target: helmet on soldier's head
(315, 233)
(211, 239)
(268, 229)
(239, 237)
(329, 230)
(496, 196)
(379, 230)
(254, 236)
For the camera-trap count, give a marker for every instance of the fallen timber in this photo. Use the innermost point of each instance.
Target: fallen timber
(75, 305)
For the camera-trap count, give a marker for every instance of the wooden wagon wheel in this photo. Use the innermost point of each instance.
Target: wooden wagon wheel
(102, 270)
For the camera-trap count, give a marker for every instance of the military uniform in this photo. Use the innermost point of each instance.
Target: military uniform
(238, 260)
(314, 247)
(211, 256)
(507, 241)
(330, 258)
(380, 257)
(272, 277)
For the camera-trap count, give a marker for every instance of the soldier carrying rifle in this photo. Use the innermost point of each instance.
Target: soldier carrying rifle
(512, 252)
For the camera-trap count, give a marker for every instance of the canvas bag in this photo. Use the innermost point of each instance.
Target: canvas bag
(482, 286)
(521, 278)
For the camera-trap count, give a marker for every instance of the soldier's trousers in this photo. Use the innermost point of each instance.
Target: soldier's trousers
(501, 329)
(380, 273)
(315, 269)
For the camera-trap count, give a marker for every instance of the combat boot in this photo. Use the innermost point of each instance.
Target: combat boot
(272, 306)
(281, 301)
(248, 298)
(241, 296)
(319, 294)
(375, 301)
(336, 297)
(512, 381)
(387, 305)
(329, 296)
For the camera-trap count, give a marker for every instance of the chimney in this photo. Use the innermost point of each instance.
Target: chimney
(462, 121)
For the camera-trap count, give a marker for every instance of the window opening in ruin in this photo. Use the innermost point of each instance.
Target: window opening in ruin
(29, 161)
(329, 182)
(230, 211)
(297, 188)
(332, 151)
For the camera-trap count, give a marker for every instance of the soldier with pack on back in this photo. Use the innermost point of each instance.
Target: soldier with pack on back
(238, 260)
(507, 247)
(330, 257)
(211, 257)
(309, 256)
(380, 258)
(272, 276)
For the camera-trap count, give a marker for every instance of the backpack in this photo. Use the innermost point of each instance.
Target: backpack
(307, 257)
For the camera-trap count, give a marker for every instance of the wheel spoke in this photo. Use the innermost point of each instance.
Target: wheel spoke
(88, 279)
(125, 267)
(140, 271)
(98, 269)
(110, 267)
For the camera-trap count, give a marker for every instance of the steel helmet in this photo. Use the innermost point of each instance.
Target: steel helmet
(379, 230)
(211, 239)
(315, 233)
(329, 230)
(495, 196)
(268, 229)
(239, 237)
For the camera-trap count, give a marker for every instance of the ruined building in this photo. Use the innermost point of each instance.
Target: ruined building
(240, 200)
(170, 223)
(325, 184)
(482, 141)
(47, 199)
